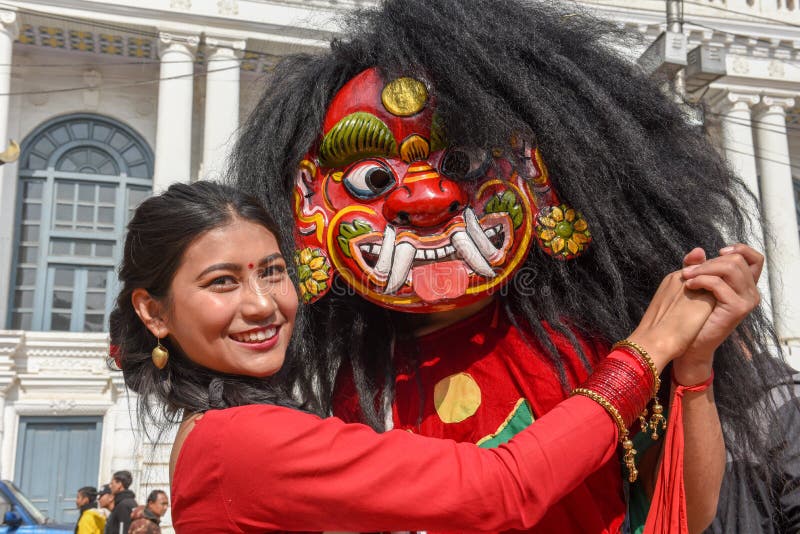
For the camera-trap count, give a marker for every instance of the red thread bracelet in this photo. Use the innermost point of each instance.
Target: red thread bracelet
(701, 386)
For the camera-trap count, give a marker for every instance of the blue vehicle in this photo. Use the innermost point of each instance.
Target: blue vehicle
(20, 516)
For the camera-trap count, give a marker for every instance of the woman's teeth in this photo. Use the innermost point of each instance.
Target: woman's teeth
(255, 336)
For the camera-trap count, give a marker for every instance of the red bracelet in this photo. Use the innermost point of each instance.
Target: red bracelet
(702, 386)
(619, 383)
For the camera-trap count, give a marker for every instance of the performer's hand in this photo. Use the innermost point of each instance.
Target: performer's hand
(732, 279)
(673, 319)
(755, 260)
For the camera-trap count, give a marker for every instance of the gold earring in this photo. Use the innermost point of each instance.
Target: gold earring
(160, 355)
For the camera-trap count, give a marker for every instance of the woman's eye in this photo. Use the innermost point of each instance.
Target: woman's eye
(369, 179)
(464, 163)
(223, 281)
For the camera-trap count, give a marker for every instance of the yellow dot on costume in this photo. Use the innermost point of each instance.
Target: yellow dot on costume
(404, 97)
(456, 398)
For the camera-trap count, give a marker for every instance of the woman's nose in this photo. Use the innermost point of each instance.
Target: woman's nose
(258, 300)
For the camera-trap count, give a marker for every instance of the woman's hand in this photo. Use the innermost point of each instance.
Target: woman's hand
(673, 319)
(732, 279)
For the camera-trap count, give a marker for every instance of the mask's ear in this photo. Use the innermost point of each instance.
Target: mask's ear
(150, 311)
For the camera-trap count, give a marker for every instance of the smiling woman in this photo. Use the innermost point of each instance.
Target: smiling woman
(205, 283)
(231, 310)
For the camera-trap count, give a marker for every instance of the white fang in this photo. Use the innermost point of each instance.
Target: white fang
(480, 239)
(471, 255)
(403, 258)
(384, 262)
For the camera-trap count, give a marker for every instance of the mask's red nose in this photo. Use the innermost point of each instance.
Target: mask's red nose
(425, 199)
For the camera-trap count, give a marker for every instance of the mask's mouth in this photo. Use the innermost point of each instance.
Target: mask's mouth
(437, 267)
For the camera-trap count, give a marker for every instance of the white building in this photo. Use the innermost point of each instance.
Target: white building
(112, 99)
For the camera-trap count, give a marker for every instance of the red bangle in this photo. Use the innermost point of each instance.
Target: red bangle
(622, 386)
(702, 386)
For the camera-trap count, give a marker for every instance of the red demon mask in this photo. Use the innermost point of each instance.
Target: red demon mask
(407, 221)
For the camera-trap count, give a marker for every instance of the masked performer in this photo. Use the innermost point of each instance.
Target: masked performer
(482, 197)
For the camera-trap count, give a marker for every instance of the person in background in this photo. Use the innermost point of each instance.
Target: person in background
(756, 499)
(145, 518)
(124, 502)
(90, 520)
(105, 499)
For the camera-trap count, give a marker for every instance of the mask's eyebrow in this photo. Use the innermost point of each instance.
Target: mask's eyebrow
(356, 136)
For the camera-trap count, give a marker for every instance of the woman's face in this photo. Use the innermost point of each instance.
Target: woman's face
(232, 304)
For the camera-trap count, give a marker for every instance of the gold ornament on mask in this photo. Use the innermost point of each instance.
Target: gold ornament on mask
(160, 355)
(562, 232)
(415, 148)
(404, 97)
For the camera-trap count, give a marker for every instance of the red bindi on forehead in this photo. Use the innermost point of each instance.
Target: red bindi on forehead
(250, 265)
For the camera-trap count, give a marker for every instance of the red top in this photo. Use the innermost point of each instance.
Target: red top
(480, 381)
(258, 468)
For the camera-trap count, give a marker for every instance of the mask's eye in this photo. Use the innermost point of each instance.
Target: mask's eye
(369, 179)
(464, 163)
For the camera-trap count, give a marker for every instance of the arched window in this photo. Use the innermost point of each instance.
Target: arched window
(80, 176)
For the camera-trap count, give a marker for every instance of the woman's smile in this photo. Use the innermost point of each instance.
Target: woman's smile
(262, 338)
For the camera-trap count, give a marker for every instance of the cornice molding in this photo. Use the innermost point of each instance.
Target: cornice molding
(306, 24)
(62, 407)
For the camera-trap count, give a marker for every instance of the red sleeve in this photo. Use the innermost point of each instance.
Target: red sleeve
(258, 468)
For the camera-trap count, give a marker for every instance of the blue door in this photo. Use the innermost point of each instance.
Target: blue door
(55, 457)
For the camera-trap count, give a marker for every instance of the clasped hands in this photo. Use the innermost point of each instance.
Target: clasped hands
(696, 308)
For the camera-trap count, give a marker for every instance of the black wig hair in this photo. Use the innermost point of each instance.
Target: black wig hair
(650, 184)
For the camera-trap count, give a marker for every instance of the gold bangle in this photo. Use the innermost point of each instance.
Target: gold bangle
(643, 354)
(610, 408)
(657, 419)
(630, 453)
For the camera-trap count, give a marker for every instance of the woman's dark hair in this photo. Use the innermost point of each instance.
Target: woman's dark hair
(159, 233)
(650, 183)
(89, 492)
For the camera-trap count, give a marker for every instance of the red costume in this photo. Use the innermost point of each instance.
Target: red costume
(487, 386)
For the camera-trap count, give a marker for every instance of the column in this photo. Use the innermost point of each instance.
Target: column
(223, 60)
(777, 199)
(175, 93)
(737, 129)
(8, 182)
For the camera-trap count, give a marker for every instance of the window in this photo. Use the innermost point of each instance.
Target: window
(81, 176)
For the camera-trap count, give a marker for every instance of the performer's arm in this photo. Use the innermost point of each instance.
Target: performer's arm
(731, 278)
(704, 458)
(272, 468)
